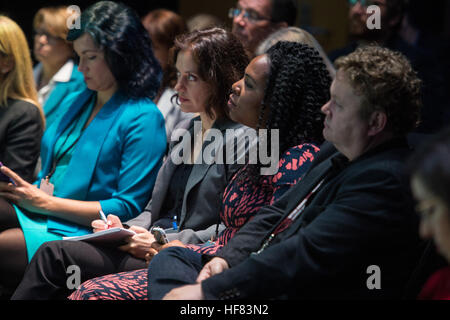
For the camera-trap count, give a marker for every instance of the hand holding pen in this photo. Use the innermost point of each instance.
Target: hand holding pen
(103, 217)
(106, 223)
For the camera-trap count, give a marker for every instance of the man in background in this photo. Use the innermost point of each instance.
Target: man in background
(392, 16)
(254, 20)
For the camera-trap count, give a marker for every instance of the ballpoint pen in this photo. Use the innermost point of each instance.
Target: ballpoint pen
(174, 223)
(103, 217)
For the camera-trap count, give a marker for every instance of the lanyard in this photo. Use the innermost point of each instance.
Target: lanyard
(290, 218)
(58, 157)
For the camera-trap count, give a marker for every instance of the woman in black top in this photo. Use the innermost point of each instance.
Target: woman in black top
(21, 117)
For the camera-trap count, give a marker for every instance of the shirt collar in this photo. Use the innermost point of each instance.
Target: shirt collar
(64, 74)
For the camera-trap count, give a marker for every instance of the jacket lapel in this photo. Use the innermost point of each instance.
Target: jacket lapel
(54, 132)
(55, 97)
(327, 169)
(92, 140)
(199, 170)
(163, 179)
(321, 167)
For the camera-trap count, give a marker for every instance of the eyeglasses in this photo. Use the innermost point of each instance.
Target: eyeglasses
(366, 3)
(50, 38)
(248, 15)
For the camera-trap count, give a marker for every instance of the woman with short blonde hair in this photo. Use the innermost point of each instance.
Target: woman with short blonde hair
(56, 75)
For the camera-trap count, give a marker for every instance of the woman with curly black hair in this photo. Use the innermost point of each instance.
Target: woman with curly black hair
(282, 90)
(293, 85)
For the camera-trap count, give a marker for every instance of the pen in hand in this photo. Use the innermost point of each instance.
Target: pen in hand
(103, 217)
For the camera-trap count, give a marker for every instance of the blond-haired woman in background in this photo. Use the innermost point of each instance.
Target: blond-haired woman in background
(21, 118)
(21, 123)
(56, 75)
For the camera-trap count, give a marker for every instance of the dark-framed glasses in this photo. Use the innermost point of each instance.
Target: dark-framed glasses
(248, 15)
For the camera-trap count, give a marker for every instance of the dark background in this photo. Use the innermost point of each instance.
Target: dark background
(23, 11)
(325, 19)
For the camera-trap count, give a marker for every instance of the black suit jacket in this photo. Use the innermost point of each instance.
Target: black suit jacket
(361, 217)
(20, 137)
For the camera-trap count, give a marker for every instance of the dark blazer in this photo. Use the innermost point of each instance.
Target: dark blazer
(361, 217)
(203, 195)
(21, 131)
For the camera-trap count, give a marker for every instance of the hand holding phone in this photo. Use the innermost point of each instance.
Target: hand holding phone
(160, 235)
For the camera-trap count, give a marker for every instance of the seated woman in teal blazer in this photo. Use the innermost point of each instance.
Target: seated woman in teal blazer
(105, 152)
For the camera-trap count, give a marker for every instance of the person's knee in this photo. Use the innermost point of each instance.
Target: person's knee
(171, 268)
(178, 253)
(50, 246)
(175, 252)
(48, 250)
(167, 255)
(177, 257)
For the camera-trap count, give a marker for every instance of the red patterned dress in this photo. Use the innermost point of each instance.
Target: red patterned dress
(241, 201)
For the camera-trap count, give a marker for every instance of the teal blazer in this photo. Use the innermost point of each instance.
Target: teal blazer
(54, 107)
(116, 160)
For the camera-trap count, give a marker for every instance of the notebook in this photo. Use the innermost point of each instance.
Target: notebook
(109, 235)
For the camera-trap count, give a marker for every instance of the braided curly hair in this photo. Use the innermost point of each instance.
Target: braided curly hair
(297, 87)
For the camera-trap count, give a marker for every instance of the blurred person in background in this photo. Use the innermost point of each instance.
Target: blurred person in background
(255, 20)
(435, 113)
(56, 75)
(203, 21)
(164, 26)
(430, 183)
(294, 34)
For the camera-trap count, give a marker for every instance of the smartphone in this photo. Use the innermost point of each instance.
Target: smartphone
(3, 177)
(160, 235)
